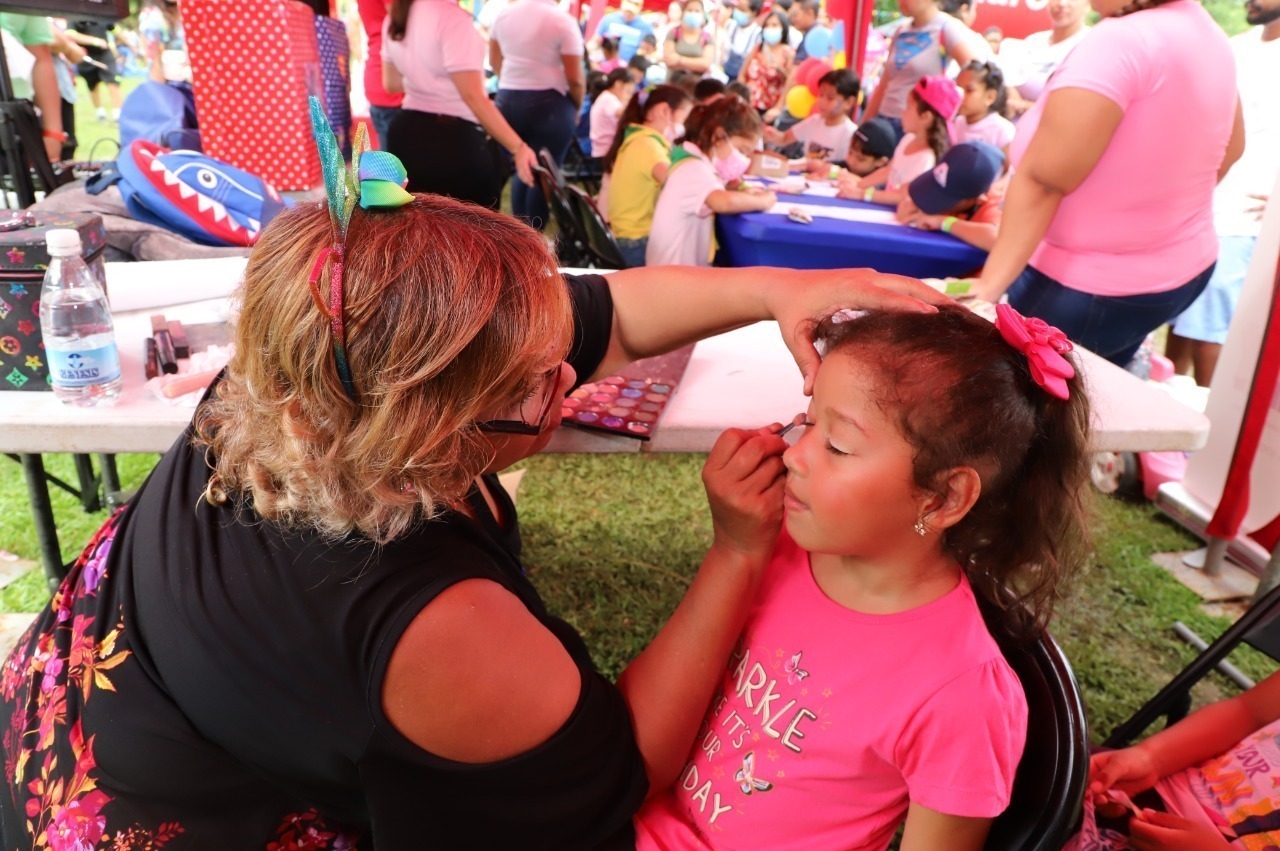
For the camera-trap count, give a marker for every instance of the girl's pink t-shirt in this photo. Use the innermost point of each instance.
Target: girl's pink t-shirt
(1142, 221)
(829, 722)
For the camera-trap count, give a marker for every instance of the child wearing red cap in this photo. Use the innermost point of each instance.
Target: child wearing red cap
(931, 106)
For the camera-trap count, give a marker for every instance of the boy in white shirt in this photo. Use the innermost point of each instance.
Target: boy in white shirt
(827, 131)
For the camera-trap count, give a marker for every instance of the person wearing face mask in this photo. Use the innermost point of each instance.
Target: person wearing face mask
(713, 157)
(769, 64)
(689, 46)
(637, 164)
(741, 34)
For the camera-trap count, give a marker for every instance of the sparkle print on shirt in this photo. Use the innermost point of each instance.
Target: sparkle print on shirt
(758, 710)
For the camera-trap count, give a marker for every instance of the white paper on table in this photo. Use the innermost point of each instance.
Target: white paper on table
(849, 214)
(822, 190)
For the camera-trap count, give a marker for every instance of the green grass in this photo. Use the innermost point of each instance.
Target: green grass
(611, 541)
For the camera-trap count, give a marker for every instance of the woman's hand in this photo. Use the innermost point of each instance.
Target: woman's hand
(1131, 770)
(744, 477)
(525, 160)
(1163, 832)
(798, 300)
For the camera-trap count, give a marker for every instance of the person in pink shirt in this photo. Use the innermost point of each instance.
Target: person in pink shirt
(943, 460)
(1108, 222)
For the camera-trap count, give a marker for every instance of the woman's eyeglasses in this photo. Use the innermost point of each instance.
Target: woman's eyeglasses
(520, 426)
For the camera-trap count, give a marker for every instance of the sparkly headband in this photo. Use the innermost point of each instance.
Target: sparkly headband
(1044, 347)
(375, 180)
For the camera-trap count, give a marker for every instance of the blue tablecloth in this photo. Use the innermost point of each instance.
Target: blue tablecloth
(768, 239)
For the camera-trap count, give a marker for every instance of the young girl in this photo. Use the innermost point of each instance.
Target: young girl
(930, 107)
(606, 109)
(940, 463)
(637, 164)
(1212, 774)
(981, 114)
(716, 153)
(769, 63)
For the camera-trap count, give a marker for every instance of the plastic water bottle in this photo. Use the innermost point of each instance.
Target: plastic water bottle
(75, 321)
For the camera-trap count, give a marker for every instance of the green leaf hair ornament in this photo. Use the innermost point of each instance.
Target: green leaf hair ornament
(376, 181)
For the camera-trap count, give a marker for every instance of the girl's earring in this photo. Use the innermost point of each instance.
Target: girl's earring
(920, 528)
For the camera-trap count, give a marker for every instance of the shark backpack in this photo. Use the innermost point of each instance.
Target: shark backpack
(201, 198)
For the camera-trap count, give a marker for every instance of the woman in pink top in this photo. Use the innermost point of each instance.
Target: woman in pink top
(1108, 223)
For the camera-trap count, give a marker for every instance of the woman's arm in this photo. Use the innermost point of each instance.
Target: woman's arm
(703, 63)
(658, 309)
(877, 97)
(1075, 129)
(670, 57)
(1235, 145)
(669, 686)
(928, 829)
(392, 81)
(495, 57)
(574, 76)
(660, 171)
(477, 678)
(470, 85)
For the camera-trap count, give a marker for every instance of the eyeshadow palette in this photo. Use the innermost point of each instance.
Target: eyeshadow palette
(631, 401)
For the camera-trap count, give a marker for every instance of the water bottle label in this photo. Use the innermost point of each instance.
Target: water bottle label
(84, 368)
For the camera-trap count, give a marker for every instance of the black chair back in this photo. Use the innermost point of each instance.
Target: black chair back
(1048, 790)
(571, 249)
(1259, 627)
(601, 244)
(545, 160)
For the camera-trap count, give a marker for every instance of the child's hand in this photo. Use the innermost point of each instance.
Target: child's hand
(817, 168)
(849, 184)
(765, 200)
(1131, 770)
(1163, 832)
(773, 135)
(907, 209)
(923, 221)
(744, 476)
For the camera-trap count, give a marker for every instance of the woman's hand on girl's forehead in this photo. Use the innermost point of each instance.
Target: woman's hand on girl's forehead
(799, 300)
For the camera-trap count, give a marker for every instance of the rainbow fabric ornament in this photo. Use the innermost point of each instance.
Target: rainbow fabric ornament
(375, 180)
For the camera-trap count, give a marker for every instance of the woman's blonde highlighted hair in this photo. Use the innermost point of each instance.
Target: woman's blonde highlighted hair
(452, 313)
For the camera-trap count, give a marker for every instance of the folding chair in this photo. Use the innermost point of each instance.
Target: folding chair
(583, 170)
(571, 249)
(557, 174)
(1048, 790)
(602, 247)
(1259, 627)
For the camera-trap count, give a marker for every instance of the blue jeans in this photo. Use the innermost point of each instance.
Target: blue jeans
(543, 119)
(381, 117)
(1112, 327)
(633, 251)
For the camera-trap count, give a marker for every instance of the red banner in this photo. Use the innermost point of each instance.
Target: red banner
(1015, 18)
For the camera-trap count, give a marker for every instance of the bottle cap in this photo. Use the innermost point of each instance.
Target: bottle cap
(63, 241)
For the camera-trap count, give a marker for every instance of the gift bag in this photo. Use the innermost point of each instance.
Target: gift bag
(252, 64)
(335, 69)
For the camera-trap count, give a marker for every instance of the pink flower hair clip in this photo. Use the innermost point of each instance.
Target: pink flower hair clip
(1044, 347)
